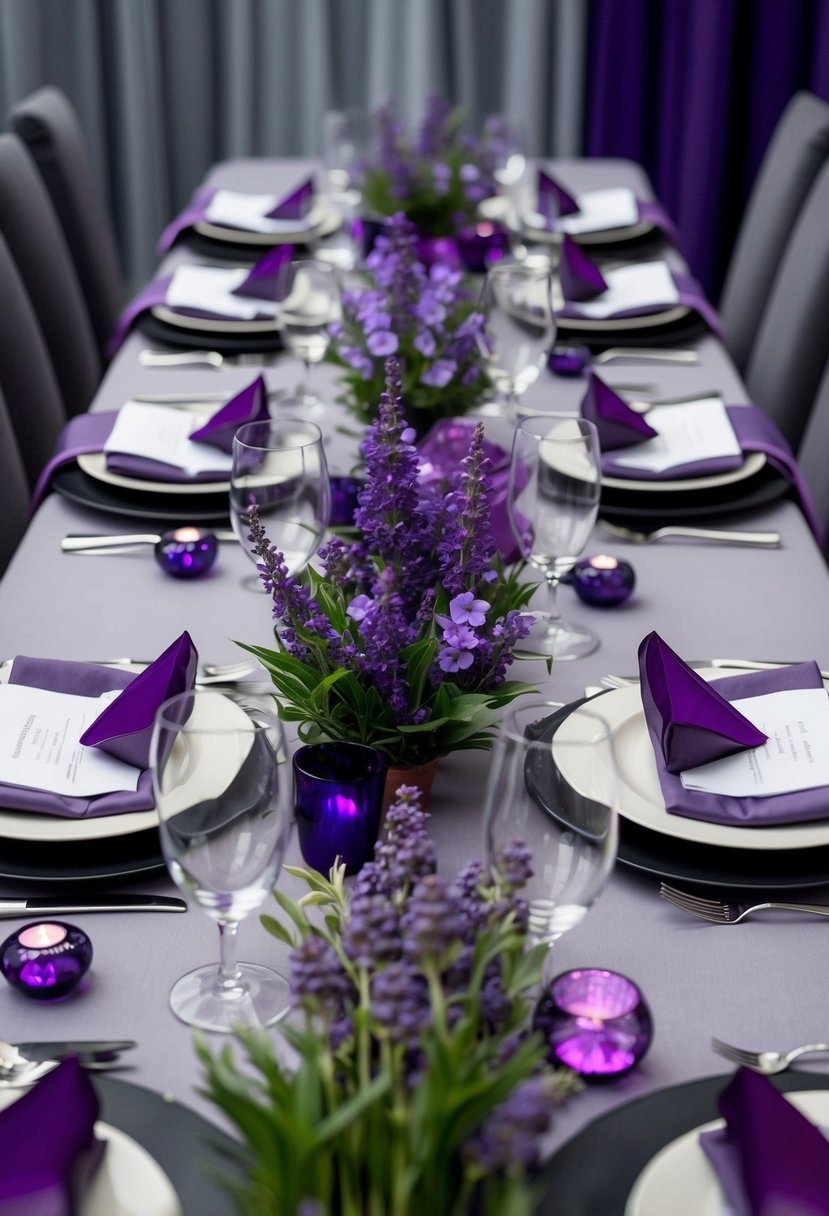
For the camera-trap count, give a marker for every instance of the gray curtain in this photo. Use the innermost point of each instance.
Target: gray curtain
(164, 88)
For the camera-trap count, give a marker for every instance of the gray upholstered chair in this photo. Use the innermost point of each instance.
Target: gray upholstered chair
(798, 149)
(38, 246)
(14, 490)
(49, 127)
(27, 380)
(792, 343)
(813, 453)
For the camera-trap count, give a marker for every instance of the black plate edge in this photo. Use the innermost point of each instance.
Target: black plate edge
(194, 339)
(102, 860)
(71, 482)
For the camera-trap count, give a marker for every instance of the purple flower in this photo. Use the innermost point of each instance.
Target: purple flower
(382, 343)
(509, 1140)
(424, 341)
(451, 658)
(439, 374)
(431, 921)
(464, 609)
(317, 975)
(460, 636)
(358, 607)
(400, 1001)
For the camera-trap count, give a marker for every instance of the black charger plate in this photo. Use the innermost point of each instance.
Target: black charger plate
(159, 331)
(84, 861)
(594, 1173)
(174, 509)
(682, 506)
(681, 332)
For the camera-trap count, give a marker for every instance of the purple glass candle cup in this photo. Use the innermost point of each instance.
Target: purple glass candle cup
(338, 798)
(595, 1022)
(46, 960)
(482, 245)
(345, 493)
(603, 581)
(186, 552)
(569, 360)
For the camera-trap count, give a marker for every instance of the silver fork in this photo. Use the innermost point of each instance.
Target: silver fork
(206, 358)
(763, 540)
(726, 912)
(766, 1062)
(646, 353)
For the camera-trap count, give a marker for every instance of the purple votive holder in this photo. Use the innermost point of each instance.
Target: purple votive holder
(344, 500)
(595, 1022)
(603, 581)
(569, 360)
(46, 960)
(338, 799)
(186, 552)
(482, 245)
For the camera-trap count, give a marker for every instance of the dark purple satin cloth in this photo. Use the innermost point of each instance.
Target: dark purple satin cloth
(799, 807)
(769, 1158)
(125, 727)
(690, 721)
(48, 1149)
(578, 274)
(295, 206)
(617, 424)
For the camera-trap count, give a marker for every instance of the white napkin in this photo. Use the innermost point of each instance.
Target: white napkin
(209, 288)
(602, 209)
(250, 211)
(644, 285)
(687, 433)
(157, 432)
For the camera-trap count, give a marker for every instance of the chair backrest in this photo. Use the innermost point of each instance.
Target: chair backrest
(14, 489)
(26, 377)
(49, 127)
(813, 453)
(36, 242)
(795, 155)
(792, 343)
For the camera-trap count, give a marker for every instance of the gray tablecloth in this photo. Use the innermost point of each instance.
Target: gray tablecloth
(759, 984)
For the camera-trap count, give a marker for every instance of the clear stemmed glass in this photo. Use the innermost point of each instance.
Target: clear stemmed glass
(553, 501)
(345, 136)
(340, 247)
(279, 466)
(552, 786)
(222, 785)
(516, 301)
(308, 294)
(504, 141)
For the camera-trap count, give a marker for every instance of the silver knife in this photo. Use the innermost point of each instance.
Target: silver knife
(88, 1050)
(60, 905)
(76, 542)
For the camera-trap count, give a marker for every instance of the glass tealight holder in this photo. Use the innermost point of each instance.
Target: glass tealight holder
(603, 581)
(338, 798)
(595, 1022)
(187, 552)
(46, 961)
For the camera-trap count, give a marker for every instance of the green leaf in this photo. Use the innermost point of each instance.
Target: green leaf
(276, 929)
(293, 909)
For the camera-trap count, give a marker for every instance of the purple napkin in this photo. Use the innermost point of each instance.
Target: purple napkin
(48, 1149)
(548, 189)
(251, 405)
(618, 425)
(295, 206)
(798, 807)
(125, 726)
(579, 276)
(691, 722)
(84, 680)
(770, 1160)
(263, 281)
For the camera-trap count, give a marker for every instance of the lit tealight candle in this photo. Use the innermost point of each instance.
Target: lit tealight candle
(603, 580)
(595, 1022)
(46, 961)
(186, 552)
(482, 245)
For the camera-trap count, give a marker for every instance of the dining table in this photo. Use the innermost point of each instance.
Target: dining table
(759, 984)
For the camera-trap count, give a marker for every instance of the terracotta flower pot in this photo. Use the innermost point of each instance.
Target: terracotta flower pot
(419, 775)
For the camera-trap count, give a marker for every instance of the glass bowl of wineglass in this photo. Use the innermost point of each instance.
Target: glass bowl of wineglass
(279, 467)
(308, 296)
(553, 502)
(517, 303)
(222, 785)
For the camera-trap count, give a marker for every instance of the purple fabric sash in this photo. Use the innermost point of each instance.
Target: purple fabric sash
(690, 295)
(769, 1157)
(154, 294)
(797, 807)
(48, 1148)
(756, 432)
(84, 680)
(617, 424)
(295, 206)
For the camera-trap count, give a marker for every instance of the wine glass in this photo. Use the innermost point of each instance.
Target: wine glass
(553, 501)
(505, 144)
(345, 136)
(340, 246)
(552, 787)
(279, 466)
(222, 785)
(516, 301)
(308, 295)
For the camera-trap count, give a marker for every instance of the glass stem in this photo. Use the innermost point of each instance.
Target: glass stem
(552, 579)
(229, 974)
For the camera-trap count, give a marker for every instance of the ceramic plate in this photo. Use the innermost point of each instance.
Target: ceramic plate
(214, 325)
(601, 325)
(321, 221)
(752, 464)
(640, 797)
(94, 465)
(128, 1182)
(679, 1179)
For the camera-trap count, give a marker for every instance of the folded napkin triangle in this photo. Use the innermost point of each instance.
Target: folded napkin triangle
(579, 276)
(617, 424)
(296, 205)
(251, 405)
(262, 281)
(696, 724)
(48, 1148)
(769, 1158)
(125, 726)
(550, 189)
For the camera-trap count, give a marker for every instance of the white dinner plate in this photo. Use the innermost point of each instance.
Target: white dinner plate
(128, 1182)
(752, 464)
(94, 465)
(214, 325)
(322, 220)
(650, 320)
(679, 1179)
(640, 796)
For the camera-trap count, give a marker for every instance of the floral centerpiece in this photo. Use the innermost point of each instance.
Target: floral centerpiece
(418, 1086)
(437, 178)
(427, 317)
(405, 639)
